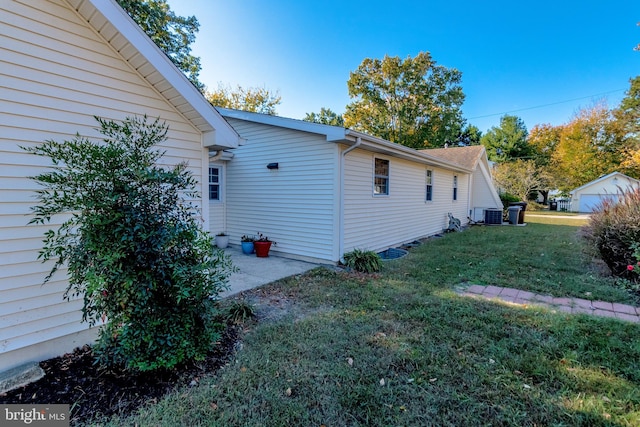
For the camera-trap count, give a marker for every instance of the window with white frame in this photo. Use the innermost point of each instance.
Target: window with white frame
(214, 183)
(455, 187)
(381, 177)
(429, 185)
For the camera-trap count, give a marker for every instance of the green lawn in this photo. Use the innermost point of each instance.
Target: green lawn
(403, 349)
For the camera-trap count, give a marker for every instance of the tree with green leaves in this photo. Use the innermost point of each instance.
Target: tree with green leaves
(589, 147)
(326, 117)
(508, 141)
(627, 117)
(543, 140)
(414, 102)
(254, 100)
(172, 33)
(517, 177)
(133, 245)
(470, 135)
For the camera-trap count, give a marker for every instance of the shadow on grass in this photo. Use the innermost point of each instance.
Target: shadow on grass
(381, 351)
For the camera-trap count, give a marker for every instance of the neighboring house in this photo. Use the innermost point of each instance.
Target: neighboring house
(321, 191)
(589, 196)
(482, 191)
(61, 63)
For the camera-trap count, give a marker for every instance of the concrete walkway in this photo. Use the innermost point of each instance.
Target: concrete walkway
(567, 305)
(254, 272)
(579, 216)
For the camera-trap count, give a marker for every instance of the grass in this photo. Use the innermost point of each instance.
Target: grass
(402, 348)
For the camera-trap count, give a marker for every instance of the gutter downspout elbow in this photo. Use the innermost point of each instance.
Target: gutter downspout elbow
(216, 156)
(341, 209)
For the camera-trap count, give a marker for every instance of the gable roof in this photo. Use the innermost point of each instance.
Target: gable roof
(468, 156)
(347, 136)
(117, 28)
(603, 178)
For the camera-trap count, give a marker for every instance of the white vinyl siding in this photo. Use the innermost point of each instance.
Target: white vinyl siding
(377, 223)
(56, 74)
(483, 194)
(296, 204)
(590, 195)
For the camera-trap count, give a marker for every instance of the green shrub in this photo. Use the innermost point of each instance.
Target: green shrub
(613, 230)
(507, 198)
(363, 261)
(240, 312)
(133, 245)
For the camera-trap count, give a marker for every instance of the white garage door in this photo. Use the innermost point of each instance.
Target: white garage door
(588, 202)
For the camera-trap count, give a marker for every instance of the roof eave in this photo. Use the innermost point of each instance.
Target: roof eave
(109, 20)
(331, 133)
(408, 153)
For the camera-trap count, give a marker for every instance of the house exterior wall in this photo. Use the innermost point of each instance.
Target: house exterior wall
(483, 194)
(296, 204)
(56, 74)
(587, 196)
(377, 222)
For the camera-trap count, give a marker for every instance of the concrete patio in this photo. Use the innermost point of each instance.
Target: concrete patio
(254, 272)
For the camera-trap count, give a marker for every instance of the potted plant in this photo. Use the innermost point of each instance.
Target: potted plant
(247, 244)
(222, 240)
(262, 245)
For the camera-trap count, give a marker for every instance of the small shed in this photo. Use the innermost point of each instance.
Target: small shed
(589, 196)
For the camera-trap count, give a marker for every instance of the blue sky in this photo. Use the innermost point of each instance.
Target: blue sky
(556, 55)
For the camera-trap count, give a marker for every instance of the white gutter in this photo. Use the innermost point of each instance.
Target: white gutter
(341, 196)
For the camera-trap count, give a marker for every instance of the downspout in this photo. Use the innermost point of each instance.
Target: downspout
(216, 156)
(469, 196)
(341, 197)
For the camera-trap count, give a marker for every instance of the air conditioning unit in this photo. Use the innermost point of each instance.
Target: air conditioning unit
(493, 216)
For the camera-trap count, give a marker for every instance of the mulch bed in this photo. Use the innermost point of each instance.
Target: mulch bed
(93, 393)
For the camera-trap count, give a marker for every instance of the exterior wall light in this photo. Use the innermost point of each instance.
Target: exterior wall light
(272, 166)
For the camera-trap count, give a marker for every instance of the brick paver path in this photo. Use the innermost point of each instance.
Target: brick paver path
(567, 305)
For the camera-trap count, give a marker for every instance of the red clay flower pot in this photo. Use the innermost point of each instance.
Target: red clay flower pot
(262, 248)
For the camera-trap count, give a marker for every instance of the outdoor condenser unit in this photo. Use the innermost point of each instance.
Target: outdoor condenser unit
(493, 216)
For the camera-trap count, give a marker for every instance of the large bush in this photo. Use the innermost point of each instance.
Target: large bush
(613, 229)
(133, 244)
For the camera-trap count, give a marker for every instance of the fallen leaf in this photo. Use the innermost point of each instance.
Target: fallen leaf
(381, 381)
(214, 406)
(433, 380)
(527, 386)
(350, 361)
(492, 361)
(288, 392)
